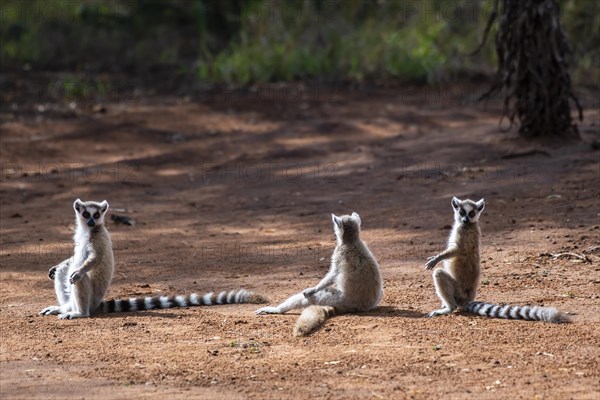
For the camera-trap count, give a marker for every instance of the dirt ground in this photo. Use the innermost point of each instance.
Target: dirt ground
(236, 190)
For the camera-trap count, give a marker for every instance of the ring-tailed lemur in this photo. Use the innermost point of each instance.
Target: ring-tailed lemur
(353, 283)
(81, 281)
(456, 283)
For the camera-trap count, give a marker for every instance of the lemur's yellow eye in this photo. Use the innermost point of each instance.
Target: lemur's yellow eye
(96, 215)
(86, 214)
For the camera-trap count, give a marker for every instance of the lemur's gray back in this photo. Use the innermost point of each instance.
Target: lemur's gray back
(353, 282)
(359, 273)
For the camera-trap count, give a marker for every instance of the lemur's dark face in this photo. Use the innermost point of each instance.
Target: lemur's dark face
(90, 213)
(467, 211)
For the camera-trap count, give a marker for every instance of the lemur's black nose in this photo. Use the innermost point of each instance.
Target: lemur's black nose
(91, 223)
(466, 219)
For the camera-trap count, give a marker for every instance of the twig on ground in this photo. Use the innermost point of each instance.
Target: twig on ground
(556, 256)
(592, 249)
(527, 153)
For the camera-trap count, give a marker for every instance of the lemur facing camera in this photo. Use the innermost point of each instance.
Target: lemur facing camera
(353, 283)
(456, 283)
(81, 281)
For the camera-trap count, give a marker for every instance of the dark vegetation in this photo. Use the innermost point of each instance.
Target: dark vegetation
(532, 51)
(92, 49)
(259, 41)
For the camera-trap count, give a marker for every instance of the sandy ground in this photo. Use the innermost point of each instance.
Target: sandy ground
(237, 190)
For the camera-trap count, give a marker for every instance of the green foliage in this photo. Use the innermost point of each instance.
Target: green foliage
(581, 20)
(242, 42)
(72, 87)
(360, 41)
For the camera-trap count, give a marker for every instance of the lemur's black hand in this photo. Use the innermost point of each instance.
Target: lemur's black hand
(51, 273)
(431, 262)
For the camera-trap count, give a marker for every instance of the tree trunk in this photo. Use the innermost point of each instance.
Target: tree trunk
(532, 69)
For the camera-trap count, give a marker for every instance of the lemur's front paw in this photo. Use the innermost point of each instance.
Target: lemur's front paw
(309, 292)
(431, 262)
(52, 273)
(75, 277)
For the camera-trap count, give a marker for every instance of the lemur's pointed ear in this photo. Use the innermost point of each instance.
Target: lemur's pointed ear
(480, 205)
(77, 204)
(336, 220)
(455, 203)
(356, 217)
(104, 206)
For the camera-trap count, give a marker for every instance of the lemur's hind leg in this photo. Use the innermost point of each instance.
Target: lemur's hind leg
(81, 298)
(295, 301)
(445, 287)
(61, 282)
(59, 274)
(325, 297)
(53, 310)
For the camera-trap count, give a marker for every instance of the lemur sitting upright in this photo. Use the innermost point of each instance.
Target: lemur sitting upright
(456, 283)
(81, 281)
(353, 283)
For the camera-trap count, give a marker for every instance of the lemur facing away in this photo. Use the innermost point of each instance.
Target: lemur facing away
(353, 283)
(81, 281)
(456, 283)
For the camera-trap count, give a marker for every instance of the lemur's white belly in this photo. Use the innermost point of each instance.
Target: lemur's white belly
(78, 258)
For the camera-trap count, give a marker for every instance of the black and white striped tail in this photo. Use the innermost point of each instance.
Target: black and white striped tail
(160, 302)
(530, 313)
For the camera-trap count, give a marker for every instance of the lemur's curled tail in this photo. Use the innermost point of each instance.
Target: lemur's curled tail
(530, 313)
(312, 318)
(194, 299)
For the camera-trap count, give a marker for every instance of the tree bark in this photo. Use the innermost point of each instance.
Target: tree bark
(533, 72)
